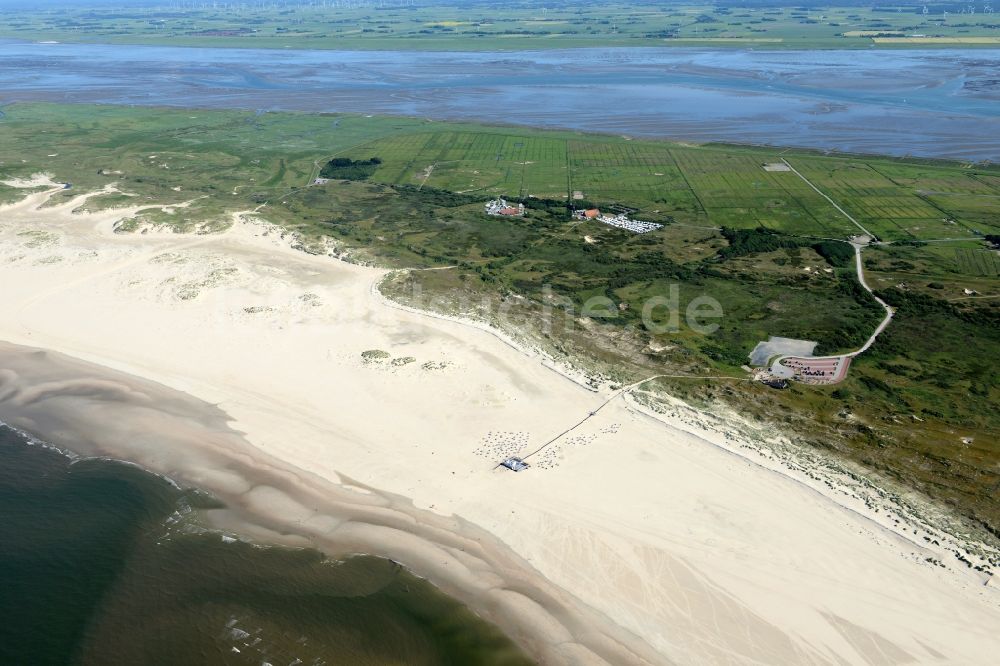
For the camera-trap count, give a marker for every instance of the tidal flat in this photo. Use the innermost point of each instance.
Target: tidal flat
(927, 103)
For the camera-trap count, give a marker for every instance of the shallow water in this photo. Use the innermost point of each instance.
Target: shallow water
(103, 563)
(935, 103)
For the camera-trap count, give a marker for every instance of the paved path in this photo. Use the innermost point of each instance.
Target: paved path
(832, 202)
(888, 309)
(859, 267)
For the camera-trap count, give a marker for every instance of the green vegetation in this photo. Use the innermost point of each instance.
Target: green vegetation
(978, 262)
(743, 242)
(374, 356)
(717, 186)
(492, 25)
(761, 243)
(836, 253)
(344, 168)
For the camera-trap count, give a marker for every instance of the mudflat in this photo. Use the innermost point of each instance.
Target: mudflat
(928, 103)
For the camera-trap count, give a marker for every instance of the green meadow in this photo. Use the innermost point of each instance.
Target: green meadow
(714, 185)
(492, 25)
(750, 238)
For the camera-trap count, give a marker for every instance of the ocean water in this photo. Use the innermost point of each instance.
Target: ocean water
(102, 563)
(934, 103)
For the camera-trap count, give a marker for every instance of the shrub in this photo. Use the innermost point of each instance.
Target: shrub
(743, 242)
(836, 253)
(343, 168)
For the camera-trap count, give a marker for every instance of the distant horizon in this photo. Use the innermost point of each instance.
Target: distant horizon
(201, 4)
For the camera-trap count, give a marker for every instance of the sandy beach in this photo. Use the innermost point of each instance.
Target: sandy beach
(321, 415)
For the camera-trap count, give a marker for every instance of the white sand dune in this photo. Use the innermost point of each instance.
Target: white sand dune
(670, 544)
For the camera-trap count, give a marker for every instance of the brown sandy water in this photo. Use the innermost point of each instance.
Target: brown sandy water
(104, 563)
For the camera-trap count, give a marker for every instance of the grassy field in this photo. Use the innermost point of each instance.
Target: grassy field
(491, 25)
(977, 262)
(704, 185)
(903, 411)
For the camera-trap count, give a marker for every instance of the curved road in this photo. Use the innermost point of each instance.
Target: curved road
(858, 245)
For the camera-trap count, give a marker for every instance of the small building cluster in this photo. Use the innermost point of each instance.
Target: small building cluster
(515, 464)
(620, 221)
(809, 370)
(501, 207)
(767, 379)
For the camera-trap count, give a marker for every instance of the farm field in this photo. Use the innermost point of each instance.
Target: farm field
(491, 25)
(977, 262)
(706, 185)
(219, 160)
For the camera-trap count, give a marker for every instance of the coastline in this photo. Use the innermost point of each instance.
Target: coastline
(108, 563)
(249, 391)
(68, 403)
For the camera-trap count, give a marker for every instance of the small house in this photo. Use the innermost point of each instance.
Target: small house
(515, 464)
